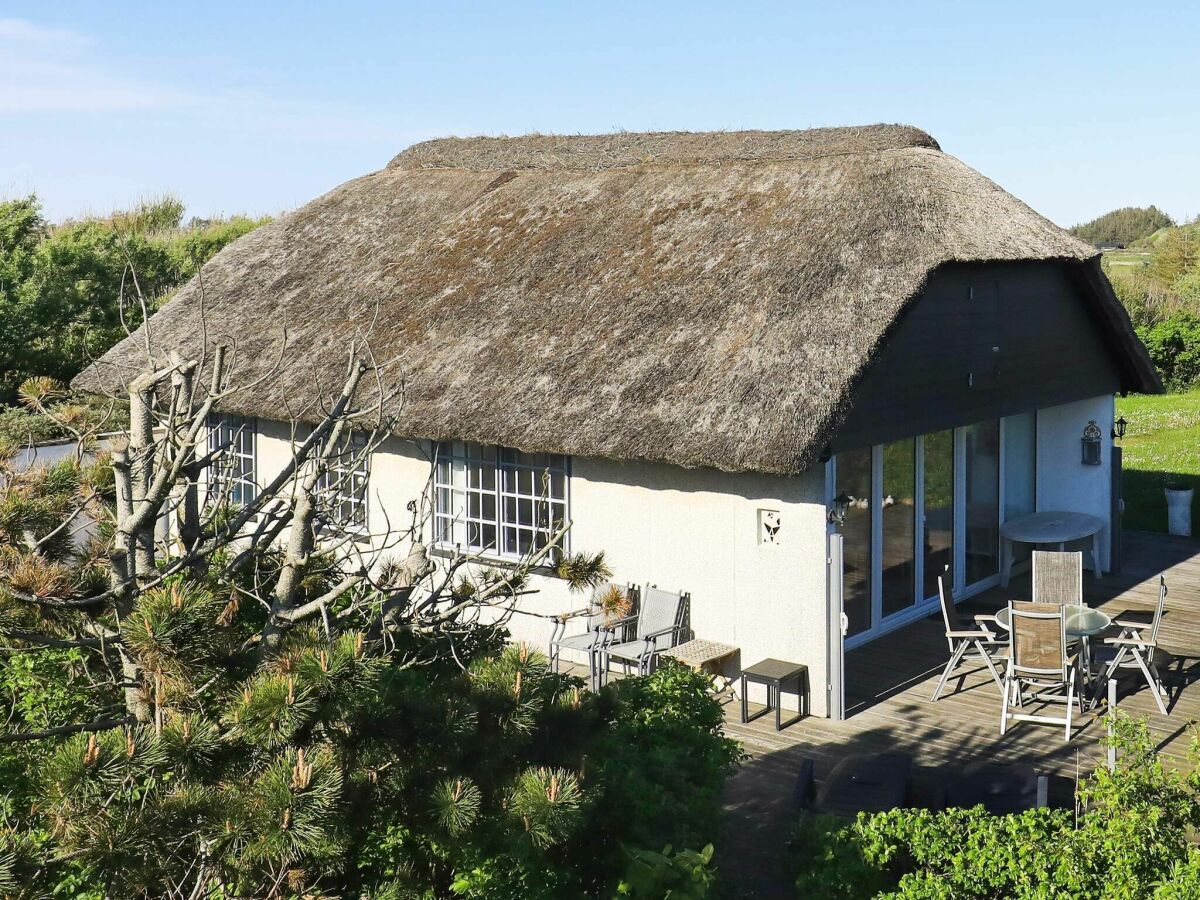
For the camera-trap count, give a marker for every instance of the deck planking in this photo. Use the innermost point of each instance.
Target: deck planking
(890, 681)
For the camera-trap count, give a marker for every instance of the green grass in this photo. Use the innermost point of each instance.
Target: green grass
(1130, 259)
(1161, 445)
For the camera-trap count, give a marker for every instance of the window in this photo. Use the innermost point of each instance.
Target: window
(232, 472)
(342, 487)
(497, 500)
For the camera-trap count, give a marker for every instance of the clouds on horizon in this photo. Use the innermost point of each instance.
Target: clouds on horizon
(53, 70)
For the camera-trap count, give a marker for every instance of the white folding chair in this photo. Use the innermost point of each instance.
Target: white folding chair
(1136, 647)
(961, 637)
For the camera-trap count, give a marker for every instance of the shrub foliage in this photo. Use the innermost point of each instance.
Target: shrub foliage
(1130, 839)
(68, 292)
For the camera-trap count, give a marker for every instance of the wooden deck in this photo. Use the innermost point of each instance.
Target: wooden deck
(889, 683)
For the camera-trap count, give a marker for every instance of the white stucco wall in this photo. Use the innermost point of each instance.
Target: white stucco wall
(693, 530)
(1063, 481)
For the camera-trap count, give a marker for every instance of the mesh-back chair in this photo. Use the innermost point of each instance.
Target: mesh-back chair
(1136, 647)
(1058, 577)
(594, 635)
(1038, 659)
(961, 637)
(660, 624)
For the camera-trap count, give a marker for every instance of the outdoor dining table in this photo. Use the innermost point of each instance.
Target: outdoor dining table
(1055, 527)
(1082, 622)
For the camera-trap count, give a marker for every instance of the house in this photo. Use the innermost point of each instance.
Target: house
(706, 339)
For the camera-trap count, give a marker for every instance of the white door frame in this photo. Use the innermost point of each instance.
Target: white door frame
(879, 625)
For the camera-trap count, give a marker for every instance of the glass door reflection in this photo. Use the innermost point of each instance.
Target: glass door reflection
(899, 510)
(854, 480)
(982, 508)
(938, 533)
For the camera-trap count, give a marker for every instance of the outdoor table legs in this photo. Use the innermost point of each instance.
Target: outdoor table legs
(777, 676)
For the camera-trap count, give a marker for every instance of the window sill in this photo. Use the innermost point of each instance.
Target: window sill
(360, 536)
(443, 551)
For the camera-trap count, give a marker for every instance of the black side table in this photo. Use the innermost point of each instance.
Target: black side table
(778, 676)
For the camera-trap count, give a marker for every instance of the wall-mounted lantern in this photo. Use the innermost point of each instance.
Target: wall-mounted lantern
(1091, 444)
(1119, 427)
(837, 512)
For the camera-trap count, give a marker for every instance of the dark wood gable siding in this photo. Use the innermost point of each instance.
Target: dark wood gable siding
(982, 341)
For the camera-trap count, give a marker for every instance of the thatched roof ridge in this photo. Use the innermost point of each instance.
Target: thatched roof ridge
(702, 300)
(659, 148)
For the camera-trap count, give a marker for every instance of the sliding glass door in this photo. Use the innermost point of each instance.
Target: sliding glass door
(899, 510)
(918, 506)
(937, 536)
(982, 488)
(854, 482)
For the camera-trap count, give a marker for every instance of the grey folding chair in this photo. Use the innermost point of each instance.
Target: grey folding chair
(1058, 577)
(1136, 647)
(961, 637)
(1038, 660)
(595, 633)
(660, 624)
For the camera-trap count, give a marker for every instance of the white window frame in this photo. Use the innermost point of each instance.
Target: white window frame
(519, 500)
(234, 473)
(342, 488)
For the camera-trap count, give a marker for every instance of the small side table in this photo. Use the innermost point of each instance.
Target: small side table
(701, 655)
(778, 676)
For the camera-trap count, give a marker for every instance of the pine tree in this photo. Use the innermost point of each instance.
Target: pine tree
(263, 718)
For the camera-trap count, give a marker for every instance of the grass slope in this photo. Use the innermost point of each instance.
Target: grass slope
(1162, 442)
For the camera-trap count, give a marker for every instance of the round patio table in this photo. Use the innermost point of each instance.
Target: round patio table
(1082, 622)
(1052, 527)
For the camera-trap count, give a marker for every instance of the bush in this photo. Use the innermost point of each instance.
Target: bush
(664, 762)
(67, 292)
(1131, 839)
(1174, 346)
(685, 875)
(353, 775)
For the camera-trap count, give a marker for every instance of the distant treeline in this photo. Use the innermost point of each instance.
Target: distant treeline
(1123, 226)
(1159, 283)
(68, 292)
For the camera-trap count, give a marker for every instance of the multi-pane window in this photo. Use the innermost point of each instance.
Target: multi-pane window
(497, 500)
(342, 487)
(231, 476)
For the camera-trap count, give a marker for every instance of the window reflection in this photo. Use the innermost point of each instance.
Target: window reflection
(854, 480)
(938, 534)
(899, 525)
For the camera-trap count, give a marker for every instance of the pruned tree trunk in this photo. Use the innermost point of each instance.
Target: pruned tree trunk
(141, 467)
(301, 542)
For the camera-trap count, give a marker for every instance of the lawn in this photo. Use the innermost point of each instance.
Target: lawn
(1161, 443)
(1132, 259)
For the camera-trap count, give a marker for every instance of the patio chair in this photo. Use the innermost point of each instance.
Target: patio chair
(1136, 647)
(1038, 659)
(659, 624)
(1058, 577)
(961, 637)
(594, 633)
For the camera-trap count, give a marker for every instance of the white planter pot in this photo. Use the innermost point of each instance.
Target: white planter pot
(1179, 511)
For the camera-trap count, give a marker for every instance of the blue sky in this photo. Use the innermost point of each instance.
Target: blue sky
(257, 107)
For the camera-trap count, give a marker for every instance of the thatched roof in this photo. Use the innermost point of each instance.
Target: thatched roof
(700, 299)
